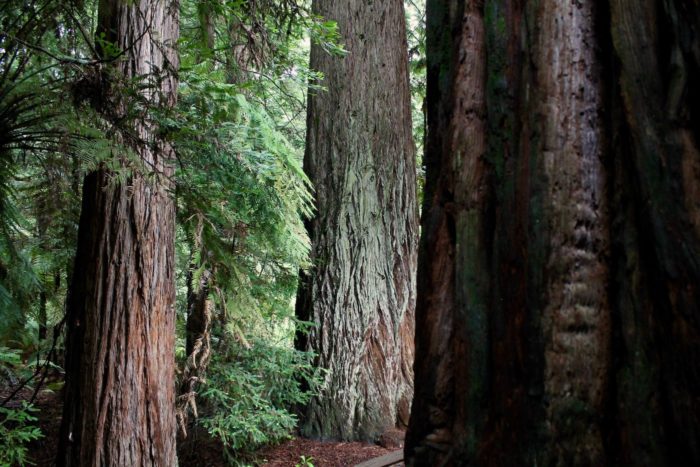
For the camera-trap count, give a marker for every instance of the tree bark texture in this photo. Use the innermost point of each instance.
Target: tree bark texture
(557, 307)
(360, 158)
(656, 150)
(119, 395)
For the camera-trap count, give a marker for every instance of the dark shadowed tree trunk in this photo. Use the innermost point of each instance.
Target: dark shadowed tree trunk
(557, 317)
(656, 150)
(197, 336)
(360, 158)
(119, 405)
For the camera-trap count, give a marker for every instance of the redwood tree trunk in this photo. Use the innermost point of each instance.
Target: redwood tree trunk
(656, 149)
(557, 306)
(119, 407)
(360, 158)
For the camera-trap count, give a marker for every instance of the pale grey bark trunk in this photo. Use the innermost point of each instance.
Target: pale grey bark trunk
(361, 160)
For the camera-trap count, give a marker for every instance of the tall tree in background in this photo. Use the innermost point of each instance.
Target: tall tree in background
(360, 159)
(558, 305)
(119, 406)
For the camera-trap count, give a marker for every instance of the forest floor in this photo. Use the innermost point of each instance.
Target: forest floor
(201, 450)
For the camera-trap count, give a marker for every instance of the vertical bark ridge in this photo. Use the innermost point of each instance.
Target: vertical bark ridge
(575, 320)
(592, 326)
(657, 49)
(430, 436)
(513, 323)
(360, 157)
(471, 175)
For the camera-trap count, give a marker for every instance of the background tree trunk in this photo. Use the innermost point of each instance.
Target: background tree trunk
(119, 407)
(656, 131)
(557, 310)
(197, 339)
(360, 158)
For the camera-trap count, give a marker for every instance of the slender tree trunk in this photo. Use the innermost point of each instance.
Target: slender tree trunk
(207, 27)
(197, 320)
(557, 309)
(198, 324)
(197, 342)
(119, 407)
(360, 157)
(42, 316)
(44, 210)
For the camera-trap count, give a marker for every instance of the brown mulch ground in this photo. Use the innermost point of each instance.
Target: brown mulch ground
(202, 451)
(321, 454)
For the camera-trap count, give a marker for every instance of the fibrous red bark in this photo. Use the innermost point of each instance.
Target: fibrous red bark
(119, 394)
(557, 308)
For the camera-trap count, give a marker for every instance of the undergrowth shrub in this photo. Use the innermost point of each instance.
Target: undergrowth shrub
(248, 401)
(17, 424)
(17, 429)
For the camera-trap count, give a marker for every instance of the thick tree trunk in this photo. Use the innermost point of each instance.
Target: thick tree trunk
(360, 157)
(557, 310)
(657, 231)
(119, 407)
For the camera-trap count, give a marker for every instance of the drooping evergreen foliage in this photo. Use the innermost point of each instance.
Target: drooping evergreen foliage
(415, 21)
(35, 125)
(241, 196)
